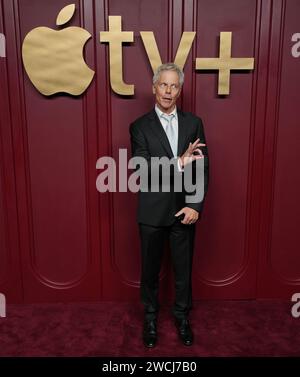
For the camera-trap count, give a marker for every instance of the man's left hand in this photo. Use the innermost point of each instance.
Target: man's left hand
(190, 215)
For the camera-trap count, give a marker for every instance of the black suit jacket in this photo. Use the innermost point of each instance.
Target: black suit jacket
(148, 139)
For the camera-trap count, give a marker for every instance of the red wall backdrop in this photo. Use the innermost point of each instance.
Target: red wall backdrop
(61, 240)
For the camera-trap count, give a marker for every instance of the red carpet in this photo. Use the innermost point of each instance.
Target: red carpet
(222, 328)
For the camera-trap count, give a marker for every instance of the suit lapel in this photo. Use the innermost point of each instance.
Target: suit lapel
(162, 137)
(160, 133)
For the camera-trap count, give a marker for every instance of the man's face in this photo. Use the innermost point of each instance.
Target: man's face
(167, 89)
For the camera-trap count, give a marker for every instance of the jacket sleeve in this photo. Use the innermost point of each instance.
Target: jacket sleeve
(200, 134)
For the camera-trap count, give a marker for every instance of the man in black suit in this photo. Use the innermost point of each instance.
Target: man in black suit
(168, 132)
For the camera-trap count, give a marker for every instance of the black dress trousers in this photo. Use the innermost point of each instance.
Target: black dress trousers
(181, 240)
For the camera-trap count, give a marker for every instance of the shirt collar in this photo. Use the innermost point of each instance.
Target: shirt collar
(161, 113)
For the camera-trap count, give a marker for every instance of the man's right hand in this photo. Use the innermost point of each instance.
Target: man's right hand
(189, 155)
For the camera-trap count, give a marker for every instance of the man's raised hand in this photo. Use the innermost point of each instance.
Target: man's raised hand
(189, 155)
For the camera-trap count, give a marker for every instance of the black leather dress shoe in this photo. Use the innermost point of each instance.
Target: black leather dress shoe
(185, 332)
(150, 334)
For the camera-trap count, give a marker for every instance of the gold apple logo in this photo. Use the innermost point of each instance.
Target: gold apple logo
(54, 59)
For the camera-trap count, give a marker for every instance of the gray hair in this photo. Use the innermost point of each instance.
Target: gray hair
(168, 67)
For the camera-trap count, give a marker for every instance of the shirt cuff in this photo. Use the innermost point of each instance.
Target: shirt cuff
(179, 165)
